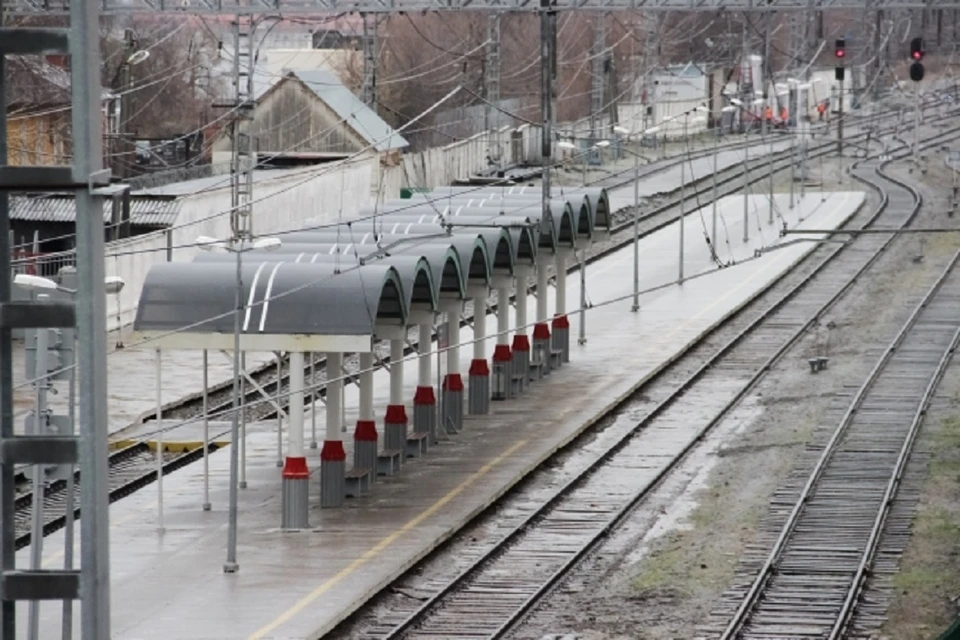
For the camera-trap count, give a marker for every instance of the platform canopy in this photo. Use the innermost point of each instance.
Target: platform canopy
(328, 289)
(286, 306)
(596, 199)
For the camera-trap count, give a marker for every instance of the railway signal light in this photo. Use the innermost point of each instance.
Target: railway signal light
(916, 49)
(840, 49)
(916, 72)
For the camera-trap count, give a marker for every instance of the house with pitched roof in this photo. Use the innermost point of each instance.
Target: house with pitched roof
(309, 116)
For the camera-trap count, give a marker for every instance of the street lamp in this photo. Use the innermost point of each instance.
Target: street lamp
(236, 246)
(112, 284)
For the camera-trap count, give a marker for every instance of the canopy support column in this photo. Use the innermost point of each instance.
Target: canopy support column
(453, 383)
(561, 325)
(296, 475)
(502, 355)
(365, 436)
(521, 342)
(478, 400)
(541, 330)
(333, 458)
(424, 400)
(395, 420)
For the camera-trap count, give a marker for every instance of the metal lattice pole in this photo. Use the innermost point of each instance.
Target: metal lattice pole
(548, 42)
(91, 322)
(491, 70)
(369, 90)
(241, 192)
(597, 63)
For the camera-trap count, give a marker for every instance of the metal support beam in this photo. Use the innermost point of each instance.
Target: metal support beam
(369, 92)
(291, 7)
(491, 71)
(598, 64)
(548, 68)
(91, 323)
(242, 148)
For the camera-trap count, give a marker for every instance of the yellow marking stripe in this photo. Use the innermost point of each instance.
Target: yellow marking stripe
(371, 553)
(386, 542)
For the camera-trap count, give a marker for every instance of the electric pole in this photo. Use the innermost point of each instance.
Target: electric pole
(597, 62)
(369, 59)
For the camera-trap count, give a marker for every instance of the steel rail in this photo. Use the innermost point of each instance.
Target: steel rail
(53, 494)
(893, 486)
(742, 613)
(431, 603)
(732, 174)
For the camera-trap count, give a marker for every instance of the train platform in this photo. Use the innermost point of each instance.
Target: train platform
(170, 584)
(132, 367)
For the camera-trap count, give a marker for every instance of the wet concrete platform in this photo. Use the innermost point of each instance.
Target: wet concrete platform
(298, 584)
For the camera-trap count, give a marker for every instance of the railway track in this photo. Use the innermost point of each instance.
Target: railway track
(130, 469)
(484, 580)
(220, 399)
(135, 467)
(809, 584)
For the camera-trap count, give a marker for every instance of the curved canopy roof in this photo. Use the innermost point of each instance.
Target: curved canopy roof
(342, 282)
(287, 306)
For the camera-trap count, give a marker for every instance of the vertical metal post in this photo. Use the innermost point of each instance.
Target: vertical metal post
(279, 412)
(206, 436)
(66, 631)
(243, 424)
(683, 190)
(547, 46)
(746, 191)
(793, 167)
(314, 395)
(7, 533)
(159, 441)
(91, 321)
(369, 59)
(582, 340)
(770, 173)
(713, 225)
(636, 232)
(491, 71)
(598, 59)
(840, 127)
(916, 120)
(39, 428)
(231, 566)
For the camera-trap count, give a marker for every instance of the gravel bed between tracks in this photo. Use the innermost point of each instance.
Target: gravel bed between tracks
(663, 573)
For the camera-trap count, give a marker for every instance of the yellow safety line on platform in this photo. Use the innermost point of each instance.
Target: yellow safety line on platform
(371, 553)
(386, 542)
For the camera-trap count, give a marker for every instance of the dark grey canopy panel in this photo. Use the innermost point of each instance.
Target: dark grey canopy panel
(279, 298)
(596, 199)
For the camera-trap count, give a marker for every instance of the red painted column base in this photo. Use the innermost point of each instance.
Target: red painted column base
(333, 451)
(502, 353)
(541, 331)
(561, 322)
(454, 382)
(521, 342)
(479, 367)
(424, 395)
(396, 414)
(296, 468)
(366, 431)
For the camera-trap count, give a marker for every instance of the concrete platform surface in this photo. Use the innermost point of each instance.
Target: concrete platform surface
(296, 585)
